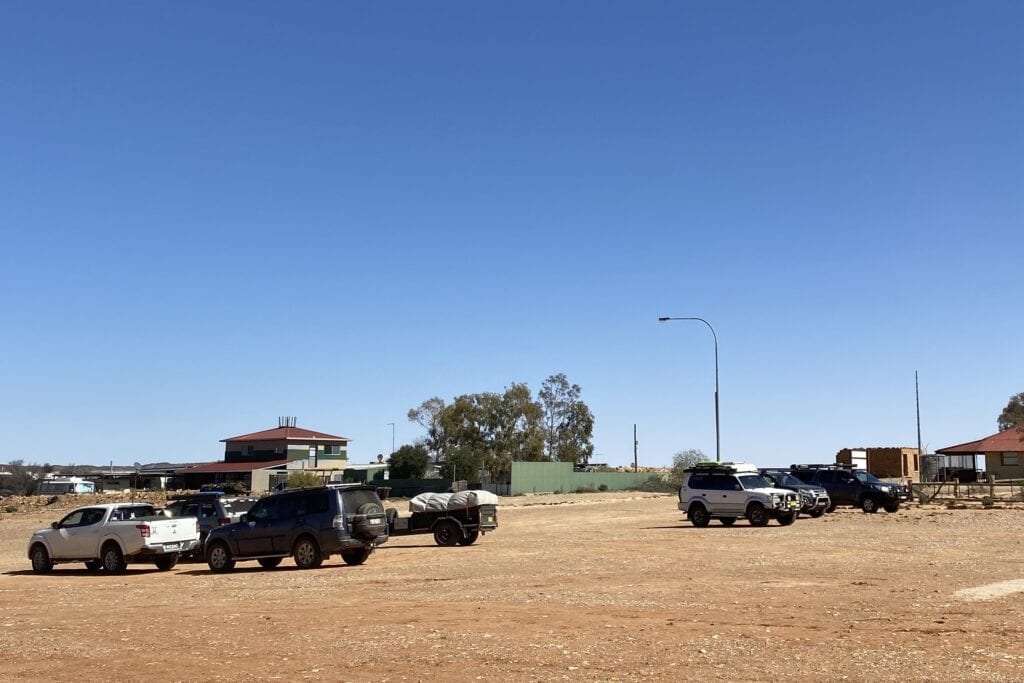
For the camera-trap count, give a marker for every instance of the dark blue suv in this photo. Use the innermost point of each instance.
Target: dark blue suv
(307, 524)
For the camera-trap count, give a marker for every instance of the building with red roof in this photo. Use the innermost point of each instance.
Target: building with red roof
(1003, 451)
(300, 448)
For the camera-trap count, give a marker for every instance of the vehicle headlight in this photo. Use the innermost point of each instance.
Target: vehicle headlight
(776, 499)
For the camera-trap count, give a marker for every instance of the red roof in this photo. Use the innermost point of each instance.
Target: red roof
(230, 467)
(1007, 441)
(286, 434)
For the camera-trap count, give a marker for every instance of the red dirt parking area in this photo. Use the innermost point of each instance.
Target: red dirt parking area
(584, 587)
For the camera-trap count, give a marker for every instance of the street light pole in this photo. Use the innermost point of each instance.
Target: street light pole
(718, 440)
(392, 425)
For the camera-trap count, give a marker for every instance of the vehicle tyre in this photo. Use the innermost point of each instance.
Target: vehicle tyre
(218, 557)
(786, 518)
(355, 556)
(699, 516)
(757, 515)
(93, 565)
(727, 521)
(892, 507)
(269, 562)
(447, 533)
(817, 512)
(869, 504)
(470, 537)
(166, 562)
(41, 562)
(113, 559)
(306, 553)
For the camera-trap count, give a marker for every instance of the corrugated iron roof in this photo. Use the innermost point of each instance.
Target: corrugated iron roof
(231, 467)
(287, 434)
(1007, 441)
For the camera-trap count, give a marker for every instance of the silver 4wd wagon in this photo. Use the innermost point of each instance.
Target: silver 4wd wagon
(726, 491)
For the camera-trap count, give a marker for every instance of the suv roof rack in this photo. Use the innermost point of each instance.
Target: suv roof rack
(721, 468)
(831, 466)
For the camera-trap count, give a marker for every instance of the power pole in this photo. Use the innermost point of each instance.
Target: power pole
(635, 443)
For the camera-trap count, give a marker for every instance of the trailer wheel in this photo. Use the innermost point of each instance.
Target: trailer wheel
(447, 532)
(470, 537)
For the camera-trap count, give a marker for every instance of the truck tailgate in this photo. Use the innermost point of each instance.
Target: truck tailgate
(165, 530)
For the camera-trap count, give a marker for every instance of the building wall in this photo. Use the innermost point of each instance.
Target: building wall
(994, 466)
(260, 481)
(238, 451)
(298, 457)
(887, 462)
(548, 477)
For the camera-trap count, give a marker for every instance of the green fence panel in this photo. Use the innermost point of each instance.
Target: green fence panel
(550, 477)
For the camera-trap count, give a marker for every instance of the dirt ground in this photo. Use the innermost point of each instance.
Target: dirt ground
(587, 587)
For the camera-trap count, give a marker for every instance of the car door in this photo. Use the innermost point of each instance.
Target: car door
(77, 533)
(732, 496)
(714, 493)
(255, 537)
(62, 539)
(847, 486)
(290, 513)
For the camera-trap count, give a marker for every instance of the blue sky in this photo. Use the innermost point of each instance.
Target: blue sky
(216, 214)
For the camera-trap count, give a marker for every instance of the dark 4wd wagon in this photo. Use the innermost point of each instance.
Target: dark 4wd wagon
(308, 524)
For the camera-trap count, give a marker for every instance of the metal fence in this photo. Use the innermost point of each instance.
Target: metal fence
(952, 491)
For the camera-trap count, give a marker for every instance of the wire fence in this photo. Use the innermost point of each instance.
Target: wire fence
(982, 492)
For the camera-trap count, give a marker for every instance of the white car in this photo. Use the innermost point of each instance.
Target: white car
(110, 536)
(727, 491)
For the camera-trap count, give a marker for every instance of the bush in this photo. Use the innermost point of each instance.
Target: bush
(10, 508)
(656, 484)
(235, 487)
(602, 487)
(297, 480)
(987, 501)
(586, 488)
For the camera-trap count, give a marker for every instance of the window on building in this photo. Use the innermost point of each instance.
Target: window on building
(332, 450)
(1011, 458)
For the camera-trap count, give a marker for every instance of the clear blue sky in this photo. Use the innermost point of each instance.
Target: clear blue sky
(218, 213)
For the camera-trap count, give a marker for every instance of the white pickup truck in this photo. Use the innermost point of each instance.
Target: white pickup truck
(110, 536)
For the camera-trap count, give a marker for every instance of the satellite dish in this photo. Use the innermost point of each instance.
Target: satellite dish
(137, 466)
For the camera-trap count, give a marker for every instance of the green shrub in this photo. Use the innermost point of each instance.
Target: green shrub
(602, 487)
(235, 487)
(10, 508)
(297, 480)
(987, 501)
(586, 488)
(656, 484)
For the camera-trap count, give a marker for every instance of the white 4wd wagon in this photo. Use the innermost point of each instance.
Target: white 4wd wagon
(726, 491)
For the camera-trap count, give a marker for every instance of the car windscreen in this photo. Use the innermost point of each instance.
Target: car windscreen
(867, 477)
(238, 506)
(786, 479)
(754, 481)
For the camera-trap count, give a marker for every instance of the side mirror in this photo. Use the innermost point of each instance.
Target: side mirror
(54, 525)
(244, 518)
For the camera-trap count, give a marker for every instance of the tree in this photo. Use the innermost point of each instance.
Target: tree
(682, 460)
(409, 462)
(464, 462)
(429, 415)
(297, 480)
(21, 479)
(568, 422)
(1013, 414)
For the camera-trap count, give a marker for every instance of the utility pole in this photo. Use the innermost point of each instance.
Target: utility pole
(635, 444)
